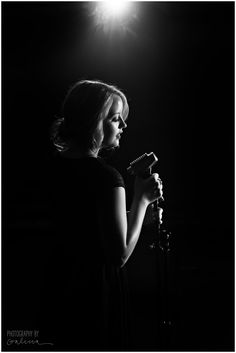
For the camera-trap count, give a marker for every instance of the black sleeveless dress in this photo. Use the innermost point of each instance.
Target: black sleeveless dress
(84, 305)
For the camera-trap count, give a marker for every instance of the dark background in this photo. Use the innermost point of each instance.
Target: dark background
(177, 69)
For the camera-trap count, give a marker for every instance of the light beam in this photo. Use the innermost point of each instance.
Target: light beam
(114, 9)
(113, 15)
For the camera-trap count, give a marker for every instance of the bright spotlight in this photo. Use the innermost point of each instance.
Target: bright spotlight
(115, 9)
(113, 15)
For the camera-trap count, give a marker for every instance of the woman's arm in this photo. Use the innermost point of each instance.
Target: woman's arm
(120, 235)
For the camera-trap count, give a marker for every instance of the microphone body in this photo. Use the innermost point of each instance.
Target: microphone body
(142, 167)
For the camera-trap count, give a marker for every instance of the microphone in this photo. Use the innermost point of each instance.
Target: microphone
(142, 165)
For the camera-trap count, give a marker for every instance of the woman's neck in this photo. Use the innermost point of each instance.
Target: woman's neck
(71, 153)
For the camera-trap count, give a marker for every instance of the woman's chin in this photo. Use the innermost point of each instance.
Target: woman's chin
(112, 145)
(116, 145)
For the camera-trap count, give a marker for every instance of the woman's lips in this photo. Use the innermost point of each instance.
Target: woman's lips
(119, 135)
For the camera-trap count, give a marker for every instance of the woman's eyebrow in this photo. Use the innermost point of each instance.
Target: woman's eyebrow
(115, 113)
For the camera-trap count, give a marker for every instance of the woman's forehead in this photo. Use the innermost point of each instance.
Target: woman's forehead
(114, 105)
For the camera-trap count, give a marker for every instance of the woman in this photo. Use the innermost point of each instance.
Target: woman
(94, 237)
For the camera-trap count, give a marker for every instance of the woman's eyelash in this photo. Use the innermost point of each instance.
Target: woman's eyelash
(116, 118)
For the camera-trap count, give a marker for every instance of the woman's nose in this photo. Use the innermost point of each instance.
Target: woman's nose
(123, 124)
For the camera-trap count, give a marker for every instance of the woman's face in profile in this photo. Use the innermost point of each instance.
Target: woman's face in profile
(113, 123)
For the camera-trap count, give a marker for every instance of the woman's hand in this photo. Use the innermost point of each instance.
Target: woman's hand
(148, 190)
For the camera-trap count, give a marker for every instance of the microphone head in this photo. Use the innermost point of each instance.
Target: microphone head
(143, 163)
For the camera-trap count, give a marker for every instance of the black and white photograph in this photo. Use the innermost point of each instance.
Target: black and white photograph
(117, 160)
